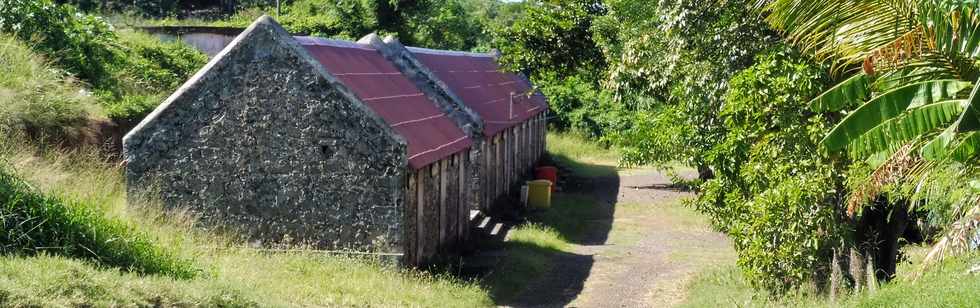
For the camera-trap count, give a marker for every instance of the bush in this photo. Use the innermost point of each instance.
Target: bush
(38, 98)
(578, 106)
(34, 223)
(565, 95)
(774, 193)
(345, 19)
(152, 70)
(127, 72)
(79, 43)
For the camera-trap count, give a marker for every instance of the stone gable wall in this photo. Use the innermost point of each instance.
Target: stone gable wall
(264, 141)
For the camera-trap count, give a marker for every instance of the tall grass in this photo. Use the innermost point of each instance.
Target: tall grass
(37, 97)
(35, 223)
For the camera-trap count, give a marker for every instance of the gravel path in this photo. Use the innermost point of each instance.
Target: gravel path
(649, 271)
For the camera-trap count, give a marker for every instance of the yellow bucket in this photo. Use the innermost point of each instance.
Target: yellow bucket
(539, 194)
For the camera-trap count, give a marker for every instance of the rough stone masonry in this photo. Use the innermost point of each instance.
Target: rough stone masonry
(264, 140)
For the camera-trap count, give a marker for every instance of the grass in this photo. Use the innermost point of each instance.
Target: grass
(231, 274)
(37, 97)
(585, 158)
(531, 246)
(153, 69)
(948, 285)
(35, 223)
(239, 278)
(529, 252)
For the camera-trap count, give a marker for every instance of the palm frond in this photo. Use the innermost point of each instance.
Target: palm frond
(845, 33)
(958, 236)
(937, 148)
(952, 27)
(970, 119)
(967, 148)
(892, 171)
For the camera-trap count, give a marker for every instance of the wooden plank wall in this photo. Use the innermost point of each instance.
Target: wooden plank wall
(439, 196)
(509, 158)
(437, 210)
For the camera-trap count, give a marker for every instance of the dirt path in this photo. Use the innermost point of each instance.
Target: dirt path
(652, 248)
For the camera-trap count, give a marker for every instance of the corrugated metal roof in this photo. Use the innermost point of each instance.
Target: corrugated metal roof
(431, 136)
(502, 99)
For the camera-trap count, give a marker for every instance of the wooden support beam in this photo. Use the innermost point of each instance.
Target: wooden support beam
(410, 228)
(462, 226)
(431, 212)
(498, 168)
(420, 199)
(443, 165)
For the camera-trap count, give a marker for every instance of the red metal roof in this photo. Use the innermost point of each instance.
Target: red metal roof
(431, 136)
(483, 86)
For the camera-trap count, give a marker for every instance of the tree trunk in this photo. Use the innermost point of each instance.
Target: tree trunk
(837, 284)
(876, 236)
(858, 264)
(705, 173)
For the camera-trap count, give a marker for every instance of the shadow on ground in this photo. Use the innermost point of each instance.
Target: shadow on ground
(582, 214)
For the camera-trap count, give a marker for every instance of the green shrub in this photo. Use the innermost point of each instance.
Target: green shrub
(79, 43)
(578, 105)
(33, 223)
(565, 95)
(38, 98)
(153, 69)
(129, 72)
(346, 19)
(774, 193)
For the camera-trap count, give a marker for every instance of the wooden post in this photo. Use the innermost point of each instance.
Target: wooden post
(524, 150)
(487, 182)
(411, 223)
(463, 217)
(420, 215)
(443, 202)
(452, 202)
(515, 143)
(431, 212)
(519, 153)
(498, 168)
(507, 149)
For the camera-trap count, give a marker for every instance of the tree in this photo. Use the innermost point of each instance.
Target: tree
(673, 73)
(553, 36)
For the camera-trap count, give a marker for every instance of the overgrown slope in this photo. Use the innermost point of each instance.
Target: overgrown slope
(38, 97)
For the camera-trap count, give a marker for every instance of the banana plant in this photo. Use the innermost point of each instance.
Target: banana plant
(923, 64)
(893, 118)
(912, 61)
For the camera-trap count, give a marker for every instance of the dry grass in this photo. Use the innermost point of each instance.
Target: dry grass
(36, 96)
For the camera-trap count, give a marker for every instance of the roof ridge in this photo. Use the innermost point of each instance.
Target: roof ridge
(320, 41)
(443, 52)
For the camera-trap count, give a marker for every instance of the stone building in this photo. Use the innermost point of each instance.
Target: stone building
(310, 141)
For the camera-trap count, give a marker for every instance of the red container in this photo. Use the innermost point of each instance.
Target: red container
(547, 173)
